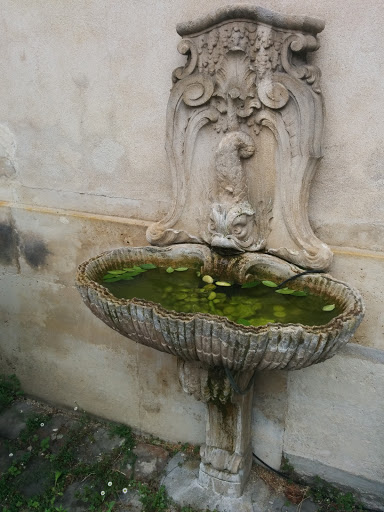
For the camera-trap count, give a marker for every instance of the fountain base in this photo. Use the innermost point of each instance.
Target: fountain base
(226, 456)
(183, 486)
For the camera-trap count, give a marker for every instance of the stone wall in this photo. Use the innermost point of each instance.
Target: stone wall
(84, 88)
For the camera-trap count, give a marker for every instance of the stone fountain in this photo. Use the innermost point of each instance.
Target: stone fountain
(243, 138)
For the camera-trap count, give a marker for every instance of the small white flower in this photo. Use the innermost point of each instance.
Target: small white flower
(55, 429)
(102, 493)
(109, 484)
(75, 408)
(125, 490)
(41, 424)
(11, 454)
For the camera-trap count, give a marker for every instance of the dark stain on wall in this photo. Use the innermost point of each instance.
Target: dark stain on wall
(9, 241)
(34, 250)
(14, 244)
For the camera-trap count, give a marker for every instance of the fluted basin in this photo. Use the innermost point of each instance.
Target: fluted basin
(214, 340)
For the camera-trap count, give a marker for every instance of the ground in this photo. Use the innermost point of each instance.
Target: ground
(55, 460)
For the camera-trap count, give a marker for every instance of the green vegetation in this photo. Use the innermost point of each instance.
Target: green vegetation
(9, 390)
(332, 499)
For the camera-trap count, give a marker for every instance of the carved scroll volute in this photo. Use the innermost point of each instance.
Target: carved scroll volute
(297, 124)
(246, 71)
(194, 90)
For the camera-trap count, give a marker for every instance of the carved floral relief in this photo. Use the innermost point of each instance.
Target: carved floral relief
(243, 76)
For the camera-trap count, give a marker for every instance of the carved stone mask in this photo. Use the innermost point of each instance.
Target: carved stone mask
(231, 227)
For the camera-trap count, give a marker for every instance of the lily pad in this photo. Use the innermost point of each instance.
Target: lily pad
(252, 284)
(181, 269)
(285, 291)
(147, 266)
(222, 283)
(243, 321)
(116, 272)
(207, 279)
(111, 279)
(270, 284)
(170, 270)
(299, 293)
(329, 307)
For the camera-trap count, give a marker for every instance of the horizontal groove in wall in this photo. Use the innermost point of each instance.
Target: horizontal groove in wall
(78, 214)
(357, 253)
(342, 251)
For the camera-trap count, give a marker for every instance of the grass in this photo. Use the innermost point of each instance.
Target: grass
(102, 483)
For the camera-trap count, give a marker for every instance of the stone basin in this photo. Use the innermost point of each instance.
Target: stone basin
(214, 340)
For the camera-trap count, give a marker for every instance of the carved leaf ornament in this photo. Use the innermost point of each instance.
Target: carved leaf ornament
(246, 71)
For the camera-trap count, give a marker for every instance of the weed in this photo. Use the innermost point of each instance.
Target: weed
(153, 501)
(332, 499)
(34, 421)
(44, 445)
(122, 431)
(10, 389)
(287, 468)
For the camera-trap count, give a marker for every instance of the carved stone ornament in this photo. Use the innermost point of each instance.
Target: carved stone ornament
(244, 125)
(244, 130)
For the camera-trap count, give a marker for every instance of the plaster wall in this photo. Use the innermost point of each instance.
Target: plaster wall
(83, 169)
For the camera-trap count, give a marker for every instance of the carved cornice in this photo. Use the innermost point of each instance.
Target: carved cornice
(254, 14)
(246, 71)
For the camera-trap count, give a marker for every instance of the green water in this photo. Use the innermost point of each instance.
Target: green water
(184, 291)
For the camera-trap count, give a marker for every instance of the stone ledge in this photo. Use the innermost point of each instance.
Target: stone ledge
(371, 493)
(355, 350)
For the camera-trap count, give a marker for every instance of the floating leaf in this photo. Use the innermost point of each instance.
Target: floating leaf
(181, 269)
(147, 266)
(299, 293)
(252, 284)
(116, 272)
(208, 287)
(198, 274)
(132, 272)
(111, 279)
(207, 279)
(270, 284)
(127, 277)
(222, 283)
(243, 321)
(285, 291)
(329, 307)
(212, 296)
(138, 269)
(170, 270)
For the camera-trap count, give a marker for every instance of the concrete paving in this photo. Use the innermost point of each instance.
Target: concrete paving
(181, 482)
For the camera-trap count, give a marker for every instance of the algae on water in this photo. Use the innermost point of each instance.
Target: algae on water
(254, 303)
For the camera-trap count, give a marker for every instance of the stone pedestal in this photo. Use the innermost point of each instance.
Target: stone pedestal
(226, 456)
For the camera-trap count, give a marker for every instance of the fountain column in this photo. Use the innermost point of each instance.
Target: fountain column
(226, 456)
